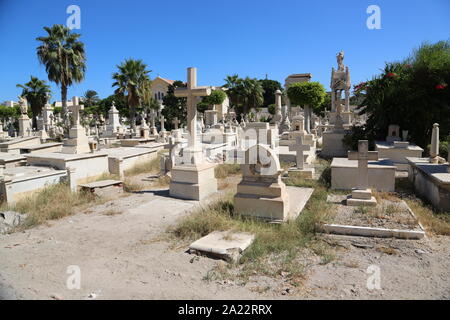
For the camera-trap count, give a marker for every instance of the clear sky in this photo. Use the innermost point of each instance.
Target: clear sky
(249, 37)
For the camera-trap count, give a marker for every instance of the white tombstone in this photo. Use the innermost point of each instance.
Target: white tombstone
(78, 141)
(113, 120)
(193, 178)
(24, 120)
(362, 194)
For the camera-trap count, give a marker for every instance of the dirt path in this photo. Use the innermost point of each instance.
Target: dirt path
(119, 251)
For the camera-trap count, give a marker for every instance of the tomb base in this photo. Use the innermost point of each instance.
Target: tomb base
(76, 146)
(193, 182)
(264, 201)
(361, 197)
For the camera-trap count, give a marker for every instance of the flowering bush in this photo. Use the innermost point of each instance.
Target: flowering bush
(412, 94)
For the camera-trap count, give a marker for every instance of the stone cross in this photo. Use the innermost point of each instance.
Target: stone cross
(299, 147)
(175, 122)
(162, 123)
(363, 155)
(191, 92)
(75, 108)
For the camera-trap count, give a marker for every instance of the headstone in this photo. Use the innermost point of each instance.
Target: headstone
(153, 130)
(193, 178)
(362, 195)
(175, 123)
(78, 141)
(24, 120)
(261, 193)
(393, 133)
(434, 149)
(299, 147)
(113, 120)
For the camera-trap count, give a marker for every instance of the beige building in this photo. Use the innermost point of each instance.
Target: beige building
(160, 86)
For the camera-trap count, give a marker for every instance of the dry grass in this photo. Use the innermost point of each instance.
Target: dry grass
(434, 222)
(277, 248)
(151, 166)
(225, 170)
(437, 223)
(53, 202)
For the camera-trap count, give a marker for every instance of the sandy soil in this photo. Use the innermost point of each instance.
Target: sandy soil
(122, 254)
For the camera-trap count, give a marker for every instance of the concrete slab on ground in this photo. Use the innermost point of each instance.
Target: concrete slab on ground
(227, 245)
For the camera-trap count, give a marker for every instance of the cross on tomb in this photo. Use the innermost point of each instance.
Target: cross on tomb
(363, 155)
(75, 108)
(299, 147)
(191, 92)
(175, 122)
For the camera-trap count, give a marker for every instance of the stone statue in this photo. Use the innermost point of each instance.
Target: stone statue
(340, 60)
(23, 105)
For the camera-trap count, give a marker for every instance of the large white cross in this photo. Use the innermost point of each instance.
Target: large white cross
(191, 92)
(75, 108)
(363, 155)
(299, 147)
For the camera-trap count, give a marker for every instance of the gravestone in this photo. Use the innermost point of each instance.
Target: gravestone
(278, 117)
(78, 141)
(153, 130)
(299, 147)
(393, 133)
(24, 120)
(176, 133)
(113, 125)
(262, 194)
(193, 178)
(362, 194)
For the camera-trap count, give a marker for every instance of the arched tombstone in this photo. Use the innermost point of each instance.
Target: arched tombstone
(261, 193)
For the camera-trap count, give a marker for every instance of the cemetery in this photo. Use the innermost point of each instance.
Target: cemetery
(185, 189)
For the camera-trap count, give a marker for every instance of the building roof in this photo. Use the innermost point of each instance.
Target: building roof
(168, 81)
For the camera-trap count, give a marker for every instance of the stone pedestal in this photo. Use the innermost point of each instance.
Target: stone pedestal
(193, 182)
(361, 197)
(24, 126)
(261, 193)
(78, 141)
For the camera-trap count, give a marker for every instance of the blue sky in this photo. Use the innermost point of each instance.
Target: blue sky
(248, 37)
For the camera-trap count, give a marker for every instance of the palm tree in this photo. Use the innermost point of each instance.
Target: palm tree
(253, 93)
(90, 98)
(131, 81)
(36, 92)
(234, 85)
(64, 58)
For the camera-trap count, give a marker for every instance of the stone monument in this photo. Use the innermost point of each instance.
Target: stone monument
(299, 147)
(261, 193)
(193, 178)
(362, 194)
(24, 120)
(78, 141)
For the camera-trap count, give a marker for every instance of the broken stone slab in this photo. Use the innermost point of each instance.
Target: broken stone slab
(227, 245)
(9, 220)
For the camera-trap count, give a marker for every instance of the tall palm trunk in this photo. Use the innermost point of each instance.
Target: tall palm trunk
(64, 101)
